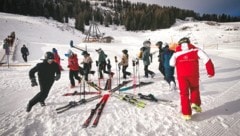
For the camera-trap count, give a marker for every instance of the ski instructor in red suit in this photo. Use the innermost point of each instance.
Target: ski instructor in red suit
(186, 59)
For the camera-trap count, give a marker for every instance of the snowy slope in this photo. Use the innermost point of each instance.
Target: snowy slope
(220, 95)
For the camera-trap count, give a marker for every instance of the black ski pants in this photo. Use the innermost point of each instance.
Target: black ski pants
(74, 74)
(45, 87)
(124, 71)
(146, 71)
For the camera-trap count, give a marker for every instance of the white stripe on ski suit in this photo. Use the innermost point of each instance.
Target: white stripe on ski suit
(201, 54)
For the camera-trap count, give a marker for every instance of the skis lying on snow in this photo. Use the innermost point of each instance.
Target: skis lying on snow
(101, 104)
(97, 110)
(80, 93)
(120, 86)
(135, 85)
(74, 104)
(94, 85)
(130, 99)
(152, 98)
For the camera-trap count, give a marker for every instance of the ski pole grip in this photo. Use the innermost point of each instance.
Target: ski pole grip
(116, 59)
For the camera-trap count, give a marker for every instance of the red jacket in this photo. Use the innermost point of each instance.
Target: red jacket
(73, 62)
(186, 60)
(56, 58)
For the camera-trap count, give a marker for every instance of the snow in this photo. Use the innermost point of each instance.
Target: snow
(220, 94)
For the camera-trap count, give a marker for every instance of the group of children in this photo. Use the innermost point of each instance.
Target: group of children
(185, 59)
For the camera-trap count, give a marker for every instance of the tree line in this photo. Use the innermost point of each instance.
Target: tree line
(134, 16)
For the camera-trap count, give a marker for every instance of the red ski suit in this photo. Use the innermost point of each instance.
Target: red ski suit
(57, 59)
(73, 63)
(186, 60)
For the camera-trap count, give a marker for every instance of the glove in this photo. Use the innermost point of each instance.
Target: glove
(33, 82)
(57, 77)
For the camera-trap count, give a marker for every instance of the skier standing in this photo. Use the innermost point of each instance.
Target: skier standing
(6, 46)
(25, 52)
(73, 68)
(48, 71)
(124, 63)
(146, 58)
(101, 63)
(160, 67)
(57, 58)
(186, 59)
(87, 64)
(168, 70)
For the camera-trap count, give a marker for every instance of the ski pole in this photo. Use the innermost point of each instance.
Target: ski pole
(118, 78)
(138, 71)
(134, 76)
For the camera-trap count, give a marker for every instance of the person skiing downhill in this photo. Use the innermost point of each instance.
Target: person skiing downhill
(186, 60)
(48, 71)
(73, 68)
(124, 63)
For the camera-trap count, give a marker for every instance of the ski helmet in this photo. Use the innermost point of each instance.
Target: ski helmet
(98, 50)
(84, 53)
(54, 50)
(125, 51)
(184, 40)
(159, 43)
(49, 56)
(70, 53)
(147, 43)
(165, 45)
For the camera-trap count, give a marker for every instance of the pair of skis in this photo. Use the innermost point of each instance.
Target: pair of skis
(97, 110)
(95, 86)
(80, 93)
(99, 107)
(73, 104)
(112, 90)
(130, 99)
(135, 86)
(83, 101)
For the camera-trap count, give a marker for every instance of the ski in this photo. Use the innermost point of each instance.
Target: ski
(130, 99)
(72, 104)
(94, 85)
(135, 86)
(120, 86)
(93, 111)
(99, 113)
(151, 97)
(80, 93)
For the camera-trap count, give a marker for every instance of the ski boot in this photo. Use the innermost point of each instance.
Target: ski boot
(196, 107)
(186, 117)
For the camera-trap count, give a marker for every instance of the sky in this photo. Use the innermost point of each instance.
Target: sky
(229, 7)
(220, 94)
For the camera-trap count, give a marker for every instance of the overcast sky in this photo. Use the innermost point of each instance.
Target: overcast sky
(231, 7)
